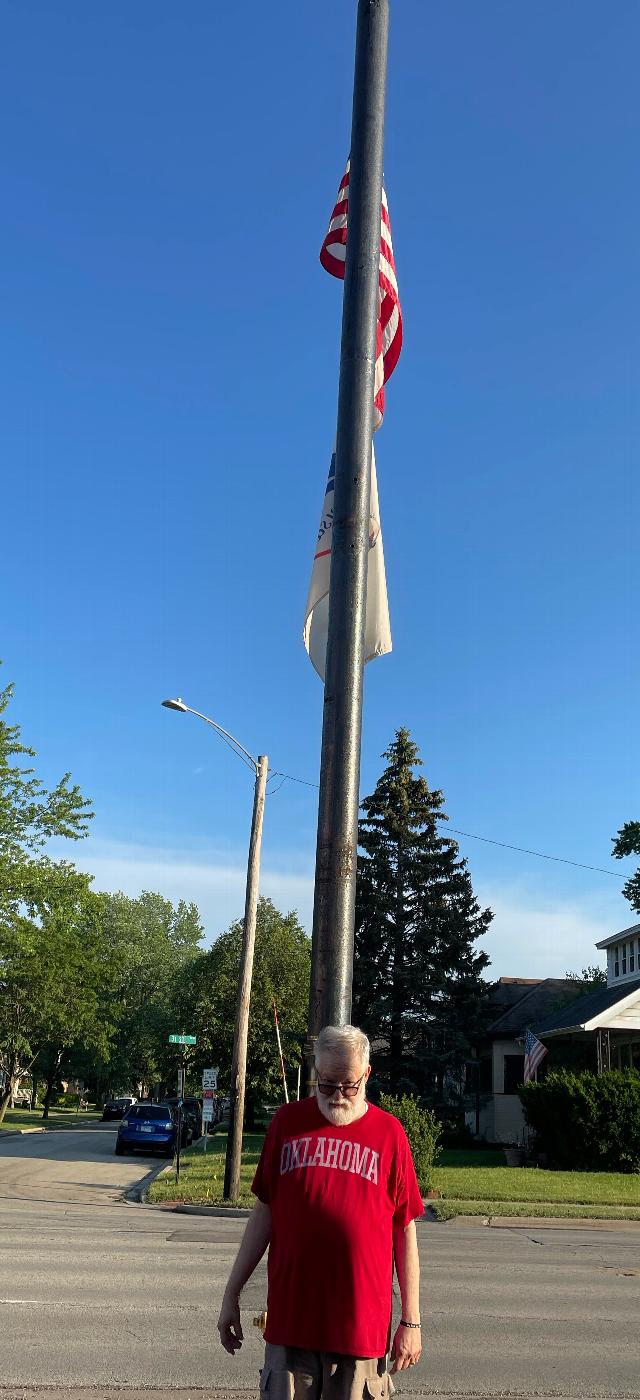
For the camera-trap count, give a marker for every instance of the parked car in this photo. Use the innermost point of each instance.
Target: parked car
(191, 1118)
(116, 1108)
(151, 1126)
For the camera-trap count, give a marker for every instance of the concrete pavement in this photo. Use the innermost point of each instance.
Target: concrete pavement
(97, 1295)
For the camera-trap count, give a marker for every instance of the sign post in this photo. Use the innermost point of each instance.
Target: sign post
(209, 1086)
(182, 1040)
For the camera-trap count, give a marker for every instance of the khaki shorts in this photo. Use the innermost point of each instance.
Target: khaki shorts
(289, 1373)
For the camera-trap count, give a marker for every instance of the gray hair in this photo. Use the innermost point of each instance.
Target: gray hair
(343, 1040)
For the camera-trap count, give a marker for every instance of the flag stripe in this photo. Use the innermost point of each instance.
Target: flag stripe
(389, 327)
(534, 1053)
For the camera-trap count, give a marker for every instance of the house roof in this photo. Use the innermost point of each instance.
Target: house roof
(527, 1003)
(578, 1013)
(615, 937)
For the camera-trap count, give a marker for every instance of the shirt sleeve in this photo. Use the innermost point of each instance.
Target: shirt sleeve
(407, 1197)
(263, 1181)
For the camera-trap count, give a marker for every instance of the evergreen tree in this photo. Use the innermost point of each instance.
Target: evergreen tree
(417, 976)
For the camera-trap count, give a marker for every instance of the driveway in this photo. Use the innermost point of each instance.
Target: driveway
(73, 1166)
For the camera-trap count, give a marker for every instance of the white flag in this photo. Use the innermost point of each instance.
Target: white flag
(377, 632)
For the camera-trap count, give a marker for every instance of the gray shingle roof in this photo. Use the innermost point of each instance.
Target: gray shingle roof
(583, 1009)
(534, 1003)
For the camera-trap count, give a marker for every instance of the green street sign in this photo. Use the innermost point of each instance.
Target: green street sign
(182, 1040)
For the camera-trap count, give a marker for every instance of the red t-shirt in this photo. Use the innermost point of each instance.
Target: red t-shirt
(335, 1195)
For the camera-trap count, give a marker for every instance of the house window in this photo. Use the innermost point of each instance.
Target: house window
(513, 1073)
(631, 961)
(624, 958)
(616, 966)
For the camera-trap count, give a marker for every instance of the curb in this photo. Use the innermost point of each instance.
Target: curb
(230, 1212)
(19, 1132)
(538, 1222)
(137, 1195)
(554, 1222)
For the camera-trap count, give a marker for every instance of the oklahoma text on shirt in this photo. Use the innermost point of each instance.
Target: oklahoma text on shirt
(330, 1152)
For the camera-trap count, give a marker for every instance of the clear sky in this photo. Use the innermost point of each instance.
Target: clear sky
(169, 378)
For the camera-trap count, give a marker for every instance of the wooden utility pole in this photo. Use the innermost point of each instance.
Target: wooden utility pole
(241, 1030)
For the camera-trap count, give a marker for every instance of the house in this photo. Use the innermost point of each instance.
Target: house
(602, 1027)
(518, 1003)
(607, 1020)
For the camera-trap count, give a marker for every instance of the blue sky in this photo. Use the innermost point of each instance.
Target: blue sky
(169, 391)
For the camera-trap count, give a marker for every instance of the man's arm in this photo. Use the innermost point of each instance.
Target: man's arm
(406, 1347)
(254, 1242)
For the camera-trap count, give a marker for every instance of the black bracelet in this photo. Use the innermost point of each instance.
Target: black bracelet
(404, 1323)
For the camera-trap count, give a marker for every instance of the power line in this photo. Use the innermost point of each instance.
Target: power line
(488, 840)
(524, 850)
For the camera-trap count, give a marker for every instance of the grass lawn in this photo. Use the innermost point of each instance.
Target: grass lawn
(202, 1173)
(58, 1118)
(471, 1183)
(500, 1190)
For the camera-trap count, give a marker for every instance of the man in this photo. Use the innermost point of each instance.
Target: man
(337, 1204)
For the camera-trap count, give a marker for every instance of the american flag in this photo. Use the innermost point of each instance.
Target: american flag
(534, 1053)
(389, 327)
(377, 633)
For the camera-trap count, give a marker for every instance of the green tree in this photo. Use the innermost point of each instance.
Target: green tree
(588, 980)
(53, 970)
(417, 976)
(281, 971)
(152, 944)
(627, 843)
(30, 887)
(30, 813)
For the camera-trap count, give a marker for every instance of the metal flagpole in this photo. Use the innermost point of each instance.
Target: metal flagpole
(334, 901)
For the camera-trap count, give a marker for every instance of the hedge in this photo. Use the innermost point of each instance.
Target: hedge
(586, 1122)
(423, 1130)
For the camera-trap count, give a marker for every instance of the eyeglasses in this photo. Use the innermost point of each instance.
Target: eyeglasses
(349, 1090)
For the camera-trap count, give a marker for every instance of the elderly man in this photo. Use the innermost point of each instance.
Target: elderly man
(337, 1204)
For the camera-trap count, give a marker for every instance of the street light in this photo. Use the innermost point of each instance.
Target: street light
(260, 768)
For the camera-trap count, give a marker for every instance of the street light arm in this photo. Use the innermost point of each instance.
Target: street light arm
(229, 739)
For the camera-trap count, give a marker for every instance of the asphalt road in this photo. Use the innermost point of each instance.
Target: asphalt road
(99, 1294)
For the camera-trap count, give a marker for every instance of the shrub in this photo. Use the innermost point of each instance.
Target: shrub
(65, 1100)
(423, 1131)
(587, 1122)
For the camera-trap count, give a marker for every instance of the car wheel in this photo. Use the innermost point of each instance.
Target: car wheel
(120, 1149)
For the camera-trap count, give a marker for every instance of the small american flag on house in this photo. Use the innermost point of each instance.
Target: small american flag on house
(534, 1053)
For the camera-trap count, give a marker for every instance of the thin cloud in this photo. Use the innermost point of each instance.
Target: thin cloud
(532, 935)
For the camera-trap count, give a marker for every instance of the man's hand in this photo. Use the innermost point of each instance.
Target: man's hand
(229, 1325)
(406, 1348)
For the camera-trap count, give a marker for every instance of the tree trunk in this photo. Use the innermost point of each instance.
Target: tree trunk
(398, 1006)
(47, 1098)
(4, 1103)
(52, 1075)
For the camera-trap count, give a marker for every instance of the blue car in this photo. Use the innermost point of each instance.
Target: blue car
(150, 1126)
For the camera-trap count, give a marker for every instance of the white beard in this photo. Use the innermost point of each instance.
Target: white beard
(340, 1114)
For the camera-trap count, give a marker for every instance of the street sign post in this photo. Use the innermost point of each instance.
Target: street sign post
(179, 1038)
(209, 1086)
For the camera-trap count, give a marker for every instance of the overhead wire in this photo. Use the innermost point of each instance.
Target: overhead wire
(488, 840)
